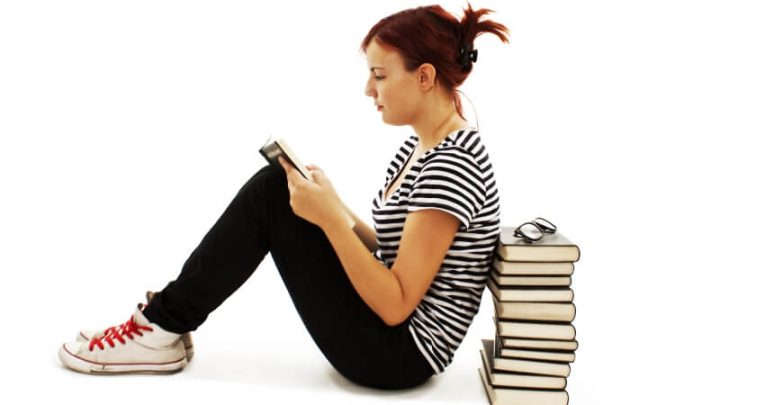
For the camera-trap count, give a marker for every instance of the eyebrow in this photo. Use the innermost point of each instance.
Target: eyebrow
(372, 69)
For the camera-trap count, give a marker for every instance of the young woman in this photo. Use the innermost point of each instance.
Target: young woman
(387, 305)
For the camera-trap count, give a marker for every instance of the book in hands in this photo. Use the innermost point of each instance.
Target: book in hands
(273, 148)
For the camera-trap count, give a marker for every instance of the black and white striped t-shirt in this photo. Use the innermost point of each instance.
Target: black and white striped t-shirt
(455, 176)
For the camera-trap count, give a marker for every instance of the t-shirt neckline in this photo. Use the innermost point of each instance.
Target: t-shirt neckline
(449, 137)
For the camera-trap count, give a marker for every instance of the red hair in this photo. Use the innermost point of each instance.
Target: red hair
(429, 34)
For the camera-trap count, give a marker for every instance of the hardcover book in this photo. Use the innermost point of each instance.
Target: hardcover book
(520, 396)
(535, 311)
(551, 248)
(523, 293)
(273, 148)
(532, 268)
(537, 281)
(535, 367)
(561, 357)
(539, 344)
(552, 331)
(509, 379)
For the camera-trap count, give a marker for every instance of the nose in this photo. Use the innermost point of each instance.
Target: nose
(369, 89)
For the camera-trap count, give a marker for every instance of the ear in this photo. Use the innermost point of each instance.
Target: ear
(426, 76)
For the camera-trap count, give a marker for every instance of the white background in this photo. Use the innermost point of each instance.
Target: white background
(127, 127)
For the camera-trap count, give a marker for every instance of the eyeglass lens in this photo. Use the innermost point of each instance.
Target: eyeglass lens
(529, 231)
(547, 226)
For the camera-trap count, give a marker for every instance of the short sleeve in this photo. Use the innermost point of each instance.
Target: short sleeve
(450, 180)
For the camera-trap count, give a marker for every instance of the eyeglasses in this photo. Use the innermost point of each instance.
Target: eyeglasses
(534, 230)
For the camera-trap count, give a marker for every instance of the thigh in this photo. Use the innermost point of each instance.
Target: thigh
(350, 335)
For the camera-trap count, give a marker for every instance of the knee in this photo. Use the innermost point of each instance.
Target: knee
(269, 178)
(270, 172)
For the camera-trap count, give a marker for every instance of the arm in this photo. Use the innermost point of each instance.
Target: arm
(394, 294)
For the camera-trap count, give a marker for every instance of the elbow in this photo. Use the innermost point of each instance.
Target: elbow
(392, 322)
(399, 312)
(396, 318)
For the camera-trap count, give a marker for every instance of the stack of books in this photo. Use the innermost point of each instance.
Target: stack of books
(528, 360)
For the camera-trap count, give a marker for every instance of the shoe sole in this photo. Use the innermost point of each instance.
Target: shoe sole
(79, 364)
(188, 345)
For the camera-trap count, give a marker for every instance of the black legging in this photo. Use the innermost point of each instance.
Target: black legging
(259, 219)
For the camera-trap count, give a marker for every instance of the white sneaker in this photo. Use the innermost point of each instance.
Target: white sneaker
(137, 346)
(86, 335)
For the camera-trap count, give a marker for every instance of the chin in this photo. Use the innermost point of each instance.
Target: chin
(394, 122)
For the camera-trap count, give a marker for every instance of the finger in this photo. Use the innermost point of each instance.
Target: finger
(316, 175)
(283, 163)
(293, 175)
(290, 184)
(286, 166)
(287, 169)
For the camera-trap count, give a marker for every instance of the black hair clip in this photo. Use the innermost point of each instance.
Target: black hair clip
(467, 53)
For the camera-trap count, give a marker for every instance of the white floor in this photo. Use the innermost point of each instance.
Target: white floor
(237, 361)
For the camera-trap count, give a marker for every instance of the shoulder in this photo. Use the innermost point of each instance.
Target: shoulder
(463, 149)
(468, 139)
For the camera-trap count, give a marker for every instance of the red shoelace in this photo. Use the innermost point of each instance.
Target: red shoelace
(117, 332)
(119, 328)
(112, 329)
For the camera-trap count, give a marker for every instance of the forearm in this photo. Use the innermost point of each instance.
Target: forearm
(376, 284)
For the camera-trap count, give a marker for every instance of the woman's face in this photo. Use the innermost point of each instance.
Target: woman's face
(392, 87)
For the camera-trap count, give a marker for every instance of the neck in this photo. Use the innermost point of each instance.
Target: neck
(437, 124)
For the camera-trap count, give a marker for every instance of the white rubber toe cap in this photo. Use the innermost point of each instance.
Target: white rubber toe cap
(68, 355)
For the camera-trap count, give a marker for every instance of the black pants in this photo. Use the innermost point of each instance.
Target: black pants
(259, 220)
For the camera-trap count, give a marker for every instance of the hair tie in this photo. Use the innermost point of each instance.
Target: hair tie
(467, 54)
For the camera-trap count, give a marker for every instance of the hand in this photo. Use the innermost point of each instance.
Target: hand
(314, 200)
(346, 210)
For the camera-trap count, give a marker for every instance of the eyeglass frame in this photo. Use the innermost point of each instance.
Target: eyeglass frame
(543, 229)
